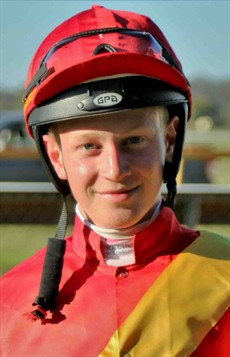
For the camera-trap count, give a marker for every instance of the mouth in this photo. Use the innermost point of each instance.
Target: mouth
(118, 195)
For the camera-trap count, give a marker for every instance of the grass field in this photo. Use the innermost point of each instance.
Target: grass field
(17, 242)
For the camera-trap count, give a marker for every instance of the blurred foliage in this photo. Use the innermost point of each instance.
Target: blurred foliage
(11, 100)
(210, 99)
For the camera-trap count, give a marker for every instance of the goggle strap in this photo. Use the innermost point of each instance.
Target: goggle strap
(42, 71)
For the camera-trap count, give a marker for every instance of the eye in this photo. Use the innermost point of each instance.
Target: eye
(89, 146)
(134, 140)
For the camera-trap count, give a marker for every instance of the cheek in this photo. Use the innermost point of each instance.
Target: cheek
(154, 157)
(80, 175)
(159, 151)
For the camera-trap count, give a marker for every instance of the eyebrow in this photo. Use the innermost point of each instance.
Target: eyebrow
(137, 122)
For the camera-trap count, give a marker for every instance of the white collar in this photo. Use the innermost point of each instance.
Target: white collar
(119, 233)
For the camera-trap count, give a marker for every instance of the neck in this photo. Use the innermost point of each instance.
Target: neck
(118, 244)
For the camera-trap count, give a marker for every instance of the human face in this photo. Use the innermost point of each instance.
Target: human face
(113, 163)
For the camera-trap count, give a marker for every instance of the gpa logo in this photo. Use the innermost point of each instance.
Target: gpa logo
(107, 99)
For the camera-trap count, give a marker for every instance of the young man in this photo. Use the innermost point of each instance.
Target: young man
(106, 101)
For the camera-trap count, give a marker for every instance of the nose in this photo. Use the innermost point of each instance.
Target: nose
(114, 163)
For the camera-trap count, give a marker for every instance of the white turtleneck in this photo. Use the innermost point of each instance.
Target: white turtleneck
(118, 244)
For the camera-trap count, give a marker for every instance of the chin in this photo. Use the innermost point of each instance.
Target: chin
(120, 221)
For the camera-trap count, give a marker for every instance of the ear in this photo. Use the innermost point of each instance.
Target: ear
(170, 137)
(54, 152)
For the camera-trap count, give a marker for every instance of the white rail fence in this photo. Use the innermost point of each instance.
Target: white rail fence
(46, 187)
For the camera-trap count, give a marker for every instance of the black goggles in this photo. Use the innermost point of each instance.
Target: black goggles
(124, 40)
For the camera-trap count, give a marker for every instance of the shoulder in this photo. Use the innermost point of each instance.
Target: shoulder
(22, 282)
(17, 283)
(28, 265)
(19, 286)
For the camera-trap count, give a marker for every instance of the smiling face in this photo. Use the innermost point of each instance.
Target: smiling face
(113, 163)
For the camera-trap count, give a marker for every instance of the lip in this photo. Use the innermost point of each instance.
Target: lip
(118, 195)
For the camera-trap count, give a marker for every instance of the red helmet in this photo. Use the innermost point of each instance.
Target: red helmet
(122, 55)
(96, 44)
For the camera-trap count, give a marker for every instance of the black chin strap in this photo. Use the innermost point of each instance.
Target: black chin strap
(172, 191)
(171, 168)
(52, 268)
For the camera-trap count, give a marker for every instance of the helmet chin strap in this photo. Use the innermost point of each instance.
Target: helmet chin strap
(171, 195)
(52, 269)
(171, 168)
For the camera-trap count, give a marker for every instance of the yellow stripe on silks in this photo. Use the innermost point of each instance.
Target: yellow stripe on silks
(180, 308)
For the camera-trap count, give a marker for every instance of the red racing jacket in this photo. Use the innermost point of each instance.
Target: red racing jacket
(172, 302)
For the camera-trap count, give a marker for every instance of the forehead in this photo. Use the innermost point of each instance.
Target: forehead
(122, 120)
